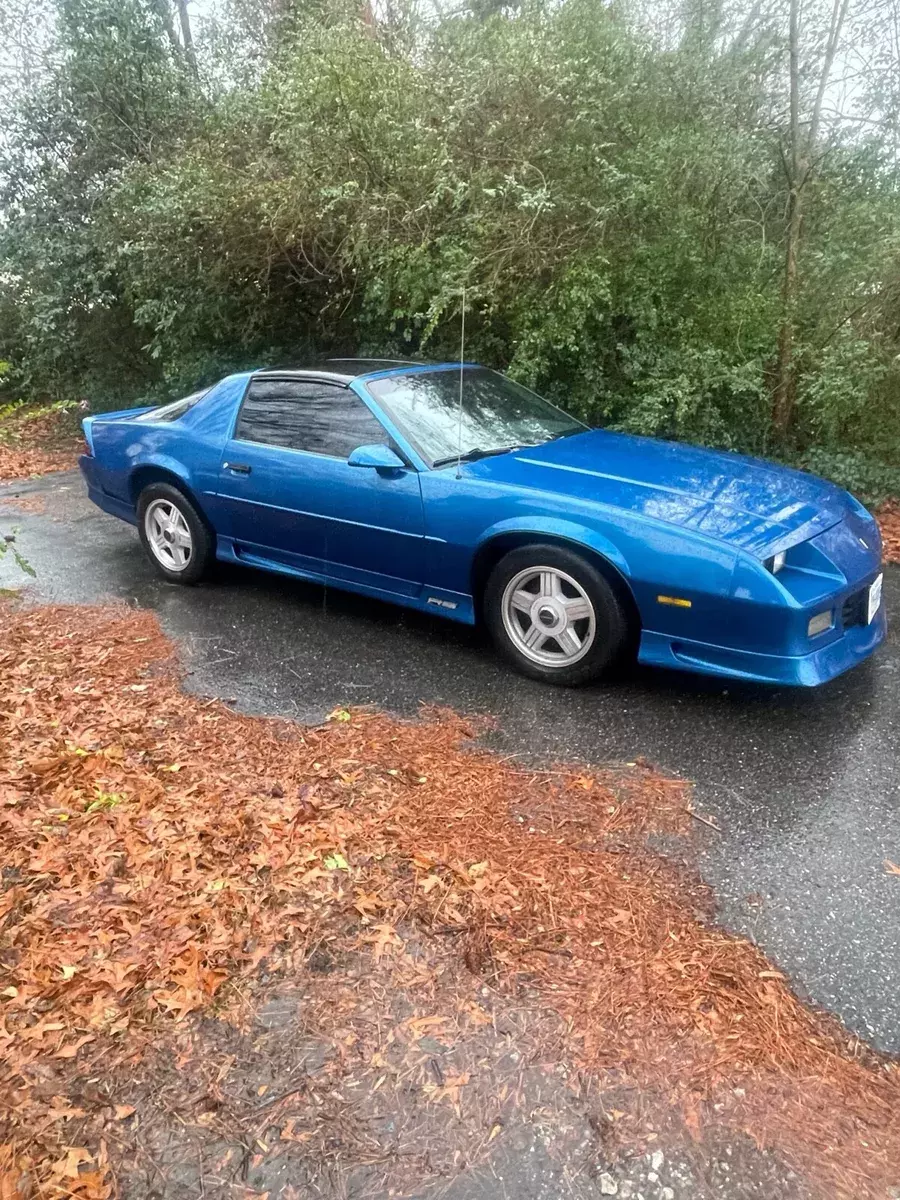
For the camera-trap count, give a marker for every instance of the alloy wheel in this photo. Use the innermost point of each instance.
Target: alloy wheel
(168, 535)
(548, 616)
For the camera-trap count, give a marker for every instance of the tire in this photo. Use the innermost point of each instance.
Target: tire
(164, 510)
(537, 591)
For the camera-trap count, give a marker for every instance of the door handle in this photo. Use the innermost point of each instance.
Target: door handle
(238, 468)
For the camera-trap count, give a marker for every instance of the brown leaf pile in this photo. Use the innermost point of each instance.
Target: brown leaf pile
(37, 443)
(158, 847)
(889, 520)
(19, 463)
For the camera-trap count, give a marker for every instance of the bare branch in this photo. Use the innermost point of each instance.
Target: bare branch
(838, 14)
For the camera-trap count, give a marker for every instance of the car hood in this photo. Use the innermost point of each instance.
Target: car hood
(755, 505)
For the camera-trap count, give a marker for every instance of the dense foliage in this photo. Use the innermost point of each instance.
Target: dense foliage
(610, 183)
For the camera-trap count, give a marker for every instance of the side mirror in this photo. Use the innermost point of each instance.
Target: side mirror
(382, 458)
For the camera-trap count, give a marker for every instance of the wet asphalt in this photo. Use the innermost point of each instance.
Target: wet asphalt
(804, 785)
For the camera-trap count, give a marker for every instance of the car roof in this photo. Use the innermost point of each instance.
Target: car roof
(341, 370)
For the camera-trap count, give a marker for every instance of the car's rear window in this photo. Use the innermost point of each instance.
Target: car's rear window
(171, 412)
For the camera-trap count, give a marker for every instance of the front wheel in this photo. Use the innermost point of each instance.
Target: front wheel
(554, 615)
(174, 534)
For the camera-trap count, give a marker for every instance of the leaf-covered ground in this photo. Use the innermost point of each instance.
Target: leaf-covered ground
(889, 520)
(168, 862)
(36, 441)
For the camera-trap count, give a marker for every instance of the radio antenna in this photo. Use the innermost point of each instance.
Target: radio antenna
(462, 357)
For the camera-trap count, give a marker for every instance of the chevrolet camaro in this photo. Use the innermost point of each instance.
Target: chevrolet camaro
(454, 490)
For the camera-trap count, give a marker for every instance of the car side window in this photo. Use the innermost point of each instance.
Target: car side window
(322, 418)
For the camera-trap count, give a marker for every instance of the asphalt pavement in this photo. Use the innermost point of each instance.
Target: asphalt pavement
(804, 785)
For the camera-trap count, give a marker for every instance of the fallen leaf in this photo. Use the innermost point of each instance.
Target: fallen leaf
(416, 1026)
(72, 1160)
(384, 938)
(367, 902)
(34, 1032)
(64, 1112)
(72, 1049)
(450, 1089)
(93, 1185)
(9, 1184)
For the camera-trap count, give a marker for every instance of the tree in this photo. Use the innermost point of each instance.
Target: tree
(679, 218)
(186, 36)
(801, 162)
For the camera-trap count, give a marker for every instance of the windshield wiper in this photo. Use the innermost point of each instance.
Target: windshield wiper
(568, 433)
(473, 455)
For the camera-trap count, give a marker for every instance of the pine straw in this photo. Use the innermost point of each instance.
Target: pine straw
(889, 520)
(158, 847)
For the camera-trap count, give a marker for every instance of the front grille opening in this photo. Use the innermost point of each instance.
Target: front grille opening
(855, 608)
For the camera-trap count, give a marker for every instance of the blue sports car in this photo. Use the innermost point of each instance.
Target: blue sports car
(454, 490)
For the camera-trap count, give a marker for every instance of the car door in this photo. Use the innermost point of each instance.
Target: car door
(292, 496)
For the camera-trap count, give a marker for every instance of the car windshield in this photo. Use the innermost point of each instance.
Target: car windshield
(496, 414)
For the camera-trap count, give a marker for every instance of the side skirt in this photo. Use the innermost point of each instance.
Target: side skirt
(455, 606)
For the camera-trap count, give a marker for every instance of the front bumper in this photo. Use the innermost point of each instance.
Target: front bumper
(809, 670)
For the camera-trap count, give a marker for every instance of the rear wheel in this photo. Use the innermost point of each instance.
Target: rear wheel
(554, 615)
(174, 534)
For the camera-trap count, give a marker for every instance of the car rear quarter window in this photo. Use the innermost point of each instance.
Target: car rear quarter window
(321, 418)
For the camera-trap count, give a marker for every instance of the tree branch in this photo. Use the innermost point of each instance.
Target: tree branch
(838, 13)
(186, 35)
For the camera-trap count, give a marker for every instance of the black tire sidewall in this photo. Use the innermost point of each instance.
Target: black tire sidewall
(612, 634)
(201, 537)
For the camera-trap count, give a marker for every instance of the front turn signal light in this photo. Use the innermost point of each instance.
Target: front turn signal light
(820, 624)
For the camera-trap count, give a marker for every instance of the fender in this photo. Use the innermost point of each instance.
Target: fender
(570, 531)
(161, 463)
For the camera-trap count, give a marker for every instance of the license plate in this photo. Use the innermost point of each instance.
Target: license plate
(875, 598)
